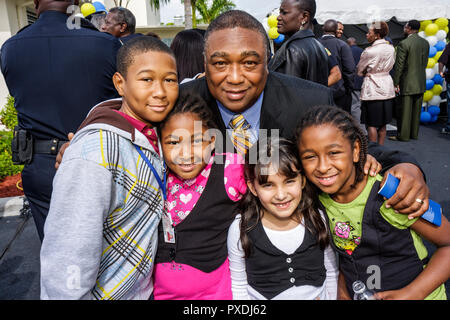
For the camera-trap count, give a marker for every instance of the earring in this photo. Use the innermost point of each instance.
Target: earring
(302, 27)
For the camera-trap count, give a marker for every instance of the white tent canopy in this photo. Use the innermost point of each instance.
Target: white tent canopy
(366, 11)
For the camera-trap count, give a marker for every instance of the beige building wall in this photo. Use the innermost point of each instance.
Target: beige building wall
(13, 17)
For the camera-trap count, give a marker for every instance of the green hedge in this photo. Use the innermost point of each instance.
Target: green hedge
(8, 117)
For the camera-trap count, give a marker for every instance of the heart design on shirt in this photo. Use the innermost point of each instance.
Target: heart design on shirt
(206, 173)
(185, 198)
(232, 191)
(171, 205)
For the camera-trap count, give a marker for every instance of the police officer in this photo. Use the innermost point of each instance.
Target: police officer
(56, 71)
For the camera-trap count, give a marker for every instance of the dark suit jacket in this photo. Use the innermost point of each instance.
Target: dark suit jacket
(286, 100)
(410, 64)
(357, 51)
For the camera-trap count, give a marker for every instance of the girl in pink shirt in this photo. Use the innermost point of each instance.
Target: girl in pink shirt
(202, 193)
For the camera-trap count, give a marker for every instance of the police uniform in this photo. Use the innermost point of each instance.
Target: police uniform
(56, 75)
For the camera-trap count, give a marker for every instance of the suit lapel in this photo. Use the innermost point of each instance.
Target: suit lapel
(270, 112)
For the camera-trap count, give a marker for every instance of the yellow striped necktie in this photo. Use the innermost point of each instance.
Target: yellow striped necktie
(240, 133)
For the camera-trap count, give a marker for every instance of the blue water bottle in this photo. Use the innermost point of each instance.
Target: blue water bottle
(433, 214)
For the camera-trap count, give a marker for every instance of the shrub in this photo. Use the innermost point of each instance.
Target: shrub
(8, 117)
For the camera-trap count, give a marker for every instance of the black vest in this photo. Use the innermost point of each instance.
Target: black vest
(201, 238)
(270, 271)
(382, 245)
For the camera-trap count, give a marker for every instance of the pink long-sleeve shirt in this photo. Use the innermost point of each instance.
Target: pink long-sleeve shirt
(375, 64)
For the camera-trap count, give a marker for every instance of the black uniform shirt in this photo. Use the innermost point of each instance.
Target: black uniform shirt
(56, 75)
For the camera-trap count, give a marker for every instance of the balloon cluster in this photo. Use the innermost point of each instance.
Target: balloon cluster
(435, 32)
(273, 32)
(89, 8)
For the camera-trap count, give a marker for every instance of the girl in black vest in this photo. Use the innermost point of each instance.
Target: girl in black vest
(278, 246)
(203, 189)
(376, 245)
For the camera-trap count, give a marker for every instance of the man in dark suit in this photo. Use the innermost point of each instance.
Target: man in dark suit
(409, 81)
(121, 23)
(55, 74)
(356, 92)
(342, 91)
(238, 83)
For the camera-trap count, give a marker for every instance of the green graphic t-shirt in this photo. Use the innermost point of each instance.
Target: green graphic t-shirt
(346, 218)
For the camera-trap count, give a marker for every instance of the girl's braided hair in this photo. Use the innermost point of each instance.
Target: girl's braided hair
(342, 120)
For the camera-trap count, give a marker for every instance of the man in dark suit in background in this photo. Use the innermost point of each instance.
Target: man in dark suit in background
(356, 92)
(121, 23)
(238, 83)
(55, 75)
(409, 81)
(342, 91)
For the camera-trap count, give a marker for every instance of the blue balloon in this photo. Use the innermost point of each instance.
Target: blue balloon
(440, 45)
(437, 79)
(99, 7)
(279, 39)
(430, 84)
(432, 52)
(425, 117)
(434, 110)
(434, 118)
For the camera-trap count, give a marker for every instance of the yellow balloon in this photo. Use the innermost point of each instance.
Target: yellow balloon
(441, 22)
(272, 21)
(273, 33)
(438, 55)
(424, 24)
(446, 29)
(431, 63)
(428, 95)
(87, 9)
(431, 29)
(437, 89)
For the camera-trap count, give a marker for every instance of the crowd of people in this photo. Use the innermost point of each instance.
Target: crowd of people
(215, 169)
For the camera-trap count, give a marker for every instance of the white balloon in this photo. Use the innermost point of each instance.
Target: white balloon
(429, 73)
(432, 40)
(435, 101)
(422, 34)
(440, 35)
(436, 68)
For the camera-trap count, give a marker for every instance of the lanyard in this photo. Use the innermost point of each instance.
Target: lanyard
(150, 165)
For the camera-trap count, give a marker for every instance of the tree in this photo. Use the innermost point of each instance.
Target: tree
(155, 4)
(210, 12)
(121, 3)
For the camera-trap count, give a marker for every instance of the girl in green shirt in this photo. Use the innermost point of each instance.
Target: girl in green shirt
(333, 150)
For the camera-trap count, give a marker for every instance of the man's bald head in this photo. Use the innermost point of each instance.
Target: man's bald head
(330, 26)
(54, 5)
(351, 41)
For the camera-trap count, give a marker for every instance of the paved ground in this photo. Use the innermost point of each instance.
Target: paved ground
(19, 265)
